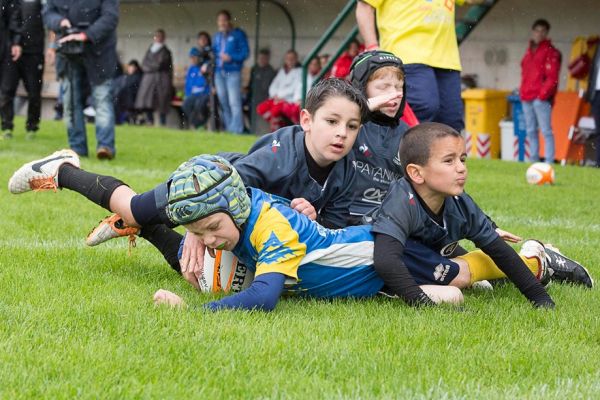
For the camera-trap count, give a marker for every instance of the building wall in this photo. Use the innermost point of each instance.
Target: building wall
(492, 51)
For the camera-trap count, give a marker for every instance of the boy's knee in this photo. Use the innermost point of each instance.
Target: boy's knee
(463, 279)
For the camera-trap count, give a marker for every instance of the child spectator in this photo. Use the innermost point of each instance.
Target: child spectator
(341, 66)
(197, 91)
(282, 108)
(126, 88)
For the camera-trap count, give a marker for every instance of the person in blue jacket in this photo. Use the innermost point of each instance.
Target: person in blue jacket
(197, 91)
(230, 46)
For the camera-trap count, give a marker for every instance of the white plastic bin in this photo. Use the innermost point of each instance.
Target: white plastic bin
(508, 141)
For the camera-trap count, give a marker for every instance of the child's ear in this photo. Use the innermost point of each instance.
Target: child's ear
(305, 120)
(414, 172)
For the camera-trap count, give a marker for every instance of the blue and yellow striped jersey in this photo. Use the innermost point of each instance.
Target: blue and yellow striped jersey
(317, 261)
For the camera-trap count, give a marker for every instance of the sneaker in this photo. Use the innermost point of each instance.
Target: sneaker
(567, 270)
(104, 153)
(7, 135)
(110, 228)
(41, 174)
(535, 249)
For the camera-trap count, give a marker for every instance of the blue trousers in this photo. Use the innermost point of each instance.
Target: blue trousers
(538, 113)
(434, 94)
(229, 91)
(74, 103)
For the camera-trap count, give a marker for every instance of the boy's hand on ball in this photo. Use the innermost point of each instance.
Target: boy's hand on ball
(508, 237)
(192, 257)
(304, 207)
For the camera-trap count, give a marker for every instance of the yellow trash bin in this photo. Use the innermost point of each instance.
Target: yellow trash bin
(484, 109)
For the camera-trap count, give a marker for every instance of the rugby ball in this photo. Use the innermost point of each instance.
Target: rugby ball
(540, 173)
(224, 273)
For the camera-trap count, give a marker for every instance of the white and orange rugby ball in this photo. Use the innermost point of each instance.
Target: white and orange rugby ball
(224, 273)
(540, 173)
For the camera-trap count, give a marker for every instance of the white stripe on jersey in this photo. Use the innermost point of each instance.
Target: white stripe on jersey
(342, 255)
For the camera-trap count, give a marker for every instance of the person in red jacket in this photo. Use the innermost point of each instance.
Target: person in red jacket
(539, 81)
(341, 67)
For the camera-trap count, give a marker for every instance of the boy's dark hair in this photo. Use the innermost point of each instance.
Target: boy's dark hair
(541, 22)
(265, 51)
(206, 35)
(161, 32)
(334, 87)
(135, 63)
(415, 147)
(225, 13)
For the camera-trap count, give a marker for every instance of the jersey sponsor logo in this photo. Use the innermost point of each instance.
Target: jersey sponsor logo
(411, 199)
(377, 174)
(363, 148)
(275, 145)
(448, 249)
(238, 279)
(274, 251)
(396, 160)
(440, 272)
(373, 195)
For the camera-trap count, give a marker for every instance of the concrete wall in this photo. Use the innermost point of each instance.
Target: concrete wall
(492, 51)
(183, 20)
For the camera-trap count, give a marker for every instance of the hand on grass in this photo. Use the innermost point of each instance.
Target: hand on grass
(304, 207)
(385, 100)
(507, 236)
(165, 297)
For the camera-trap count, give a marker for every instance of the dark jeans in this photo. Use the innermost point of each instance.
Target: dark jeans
(434, 94)
(596, 114)
(29, 68)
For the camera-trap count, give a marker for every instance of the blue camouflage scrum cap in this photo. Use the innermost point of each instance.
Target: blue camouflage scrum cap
(204, 185)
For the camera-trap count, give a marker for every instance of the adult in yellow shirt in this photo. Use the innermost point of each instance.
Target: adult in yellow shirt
(422, 34)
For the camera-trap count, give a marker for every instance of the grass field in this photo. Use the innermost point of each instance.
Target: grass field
(78, 322)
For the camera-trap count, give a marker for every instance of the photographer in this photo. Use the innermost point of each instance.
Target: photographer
(87, 41)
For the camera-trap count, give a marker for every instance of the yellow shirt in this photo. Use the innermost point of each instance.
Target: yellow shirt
(418, 31)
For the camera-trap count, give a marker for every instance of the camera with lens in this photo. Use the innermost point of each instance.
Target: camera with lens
(207, 57)
(72, 48)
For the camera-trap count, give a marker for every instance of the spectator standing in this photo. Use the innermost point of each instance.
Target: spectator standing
(197, 91)
(10, 39)
(422, 34)
(261, 76)
(540, 67)
(341, 67)
(593, 96)
(230, 46)
(95, 26)
(29, 68)
(156, 88)
(282, 108)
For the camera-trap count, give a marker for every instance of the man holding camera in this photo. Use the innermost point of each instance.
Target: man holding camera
(88, 42)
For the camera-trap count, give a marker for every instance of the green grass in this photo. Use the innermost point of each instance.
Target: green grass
(79, 322)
